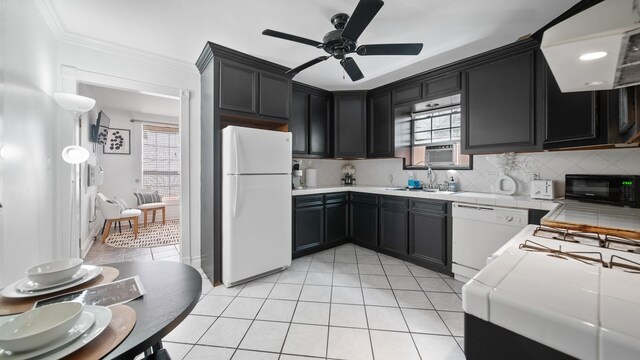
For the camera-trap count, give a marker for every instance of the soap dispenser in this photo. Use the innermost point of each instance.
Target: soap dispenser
(453, 185)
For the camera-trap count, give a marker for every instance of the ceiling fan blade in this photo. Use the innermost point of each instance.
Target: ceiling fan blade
(389, 49)
(290, 37)
(296, 70)
(365, 11)
(352, 69)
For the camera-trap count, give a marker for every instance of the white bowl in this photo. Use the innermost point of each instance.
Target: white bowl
(38, 327)
(54, 272)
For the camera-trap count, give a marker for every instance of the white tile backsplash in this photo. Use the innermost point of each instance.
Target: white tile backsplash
(547, 165)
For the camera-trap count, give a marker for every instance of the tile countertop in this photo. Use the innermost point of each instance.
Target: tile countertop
(518, 201)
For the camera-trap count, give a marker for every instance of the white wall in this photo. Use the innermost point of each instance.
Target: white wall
(548, 165)
(28, 122)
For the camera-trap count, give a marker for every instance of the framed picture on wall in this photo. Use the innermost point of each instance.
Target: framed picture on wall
(118, 142)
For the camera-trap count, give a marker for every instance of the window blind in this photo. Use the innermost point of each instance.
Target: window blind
(161, 159)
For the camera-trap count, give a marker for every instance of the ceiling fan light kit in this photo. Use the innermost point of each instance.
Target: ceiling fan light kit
(343, 40)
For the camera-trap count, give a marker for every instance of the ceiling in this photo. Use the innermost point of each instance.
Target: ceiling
(142, 106)
(178, 29)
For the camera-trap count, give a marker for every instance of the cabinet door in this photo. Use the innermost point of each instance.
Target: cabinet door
(238, 87)
(428, 237)
(319, 141)
(337, 222)
(571, 119)
(408, 94)
(443, 85)
(275, 95)
(299, 123)
(380, 126)
(499, 106)
(308, 227)
(364, 223)
(394, 223)
(350, 122)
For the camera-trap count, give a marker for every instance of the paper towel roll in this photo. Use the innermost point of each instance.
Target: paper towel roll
(311, 178)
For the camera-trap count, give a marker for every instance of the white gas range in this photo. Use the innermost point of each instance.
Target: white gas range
(576, 293)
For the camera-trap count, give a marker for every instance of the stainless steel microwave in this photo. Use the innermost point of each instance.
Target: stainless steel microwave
(619, 190)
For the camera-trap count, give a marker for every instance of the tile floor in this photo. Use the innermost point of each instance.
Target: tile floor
(343, 303)
(103, 254)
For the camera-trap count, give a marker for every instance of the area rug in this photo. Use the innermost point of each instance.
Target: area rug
(155, 234)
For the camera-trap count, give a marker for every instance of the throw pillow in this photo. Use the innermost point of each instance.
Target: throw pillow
(147, 197)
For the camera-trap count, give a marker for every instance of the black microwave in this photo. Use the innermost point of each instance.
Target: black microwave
(619, 190)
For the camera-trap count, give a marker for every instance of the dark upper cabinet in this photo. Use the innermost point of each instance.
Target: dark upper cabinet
(299, 122)
(309, 122)
(238, 87)
(428, 233)
(408, 94)
(499, 104)
(380, 126)
(364, 219)
(443, 85)
(275, 95)
(336, 217)
(394, 224)
(350, 124)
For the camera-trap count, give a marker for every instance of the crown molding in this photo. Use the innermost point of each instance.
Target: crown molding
(50, 16)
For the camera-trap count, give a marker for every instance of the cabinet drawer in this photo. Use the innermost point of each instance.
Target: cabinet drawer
(408, 94)
(431, 206)
(364, 199)
(337, 198)
(395, 202)
(309, 200)
(443, 84)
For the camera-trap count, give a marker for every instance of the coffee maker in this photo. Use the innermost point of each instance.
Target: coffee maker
(296, 177)
(348, 179)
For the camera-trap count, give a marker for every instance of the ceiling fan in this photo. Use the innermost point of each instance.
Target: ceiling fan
(342, 41)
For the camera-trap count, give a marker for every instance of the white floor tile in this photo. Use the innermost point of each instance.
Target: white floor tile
(348, 315)
(246, 308)
(418, 271)
(393, 346)
(286, 292)
(460, 341)
(348, 249)
(374, 281)
(225, 291)
(455, 285)
(346, 280)
(206, 286)
(312, 313)
(434, 284)
(379, 297)
(412, 299)
(212, 305)
(425, 321)
(292, 277)
(300, 266)
(396, 269)
(445, 301)
(438, 347)
(368, 259)
(265, 336)
(253, 355)
(316, 293)
(385, 318)
(346, 295)
(323, 257)
(277, 310)
(343, 268)
(403, 283)
(270, 278)
(352, 344)
(225, 332)
(208, 352)
(385, 259)
(256, 290)
(316, 278)
(308, 340)
(319, 266)
(363, 251)
(175, 350)
(370, 269)
(346, 258)
(296, 357)
(454, 321)
(191, 329)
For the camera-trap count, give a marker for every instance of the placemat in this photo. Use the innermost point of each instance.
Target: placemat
(17, 306)
(122, 322)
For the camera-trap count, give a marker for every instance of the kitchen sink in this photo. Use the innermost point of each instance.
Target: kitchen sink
(421, 190)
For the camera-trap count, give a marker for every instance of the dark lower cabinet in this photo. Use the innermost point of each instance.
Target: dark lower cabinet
(308, 227)
(364, 219)
(319, 222)
(426, 234)
(336, 222)
(394, 224)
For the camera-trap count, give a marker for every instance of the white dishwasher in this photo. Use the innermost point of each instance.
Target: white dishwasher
(478, 231)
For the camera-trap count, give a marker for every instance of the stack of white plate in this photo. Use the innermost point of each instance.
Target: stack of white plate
(51, 277)
(52, 331)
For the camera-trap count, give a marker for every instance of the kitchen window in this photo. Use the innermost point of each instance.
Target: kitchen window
(436, 126)
(161, 159)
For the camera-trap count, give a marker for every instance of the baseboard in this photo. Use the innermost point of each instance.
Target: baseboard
(88, 241)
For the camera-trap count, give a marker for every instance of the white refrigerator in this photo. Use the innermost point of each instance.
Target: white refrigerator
(256, 203)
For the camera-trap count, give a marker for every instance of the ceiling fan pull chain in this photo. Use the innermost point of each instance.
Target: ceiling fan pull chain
(343, 74)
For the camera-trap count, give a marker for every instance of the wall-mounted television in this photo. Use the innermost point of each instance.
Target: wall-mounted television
(100, 129)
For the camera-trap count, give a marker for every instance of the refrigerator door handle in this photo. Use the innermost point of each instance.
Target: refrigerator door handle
(235, 151)
(235, 197)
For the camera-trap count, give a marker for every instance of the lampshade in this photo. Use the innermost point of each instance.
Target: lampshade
(75, 154)
(74, 103)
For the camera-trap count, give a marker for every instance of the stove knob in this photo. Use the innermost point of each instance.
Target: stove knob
(509, 218)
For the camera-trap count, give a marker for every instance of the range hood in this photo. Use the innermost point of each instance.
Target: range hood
(597, 49)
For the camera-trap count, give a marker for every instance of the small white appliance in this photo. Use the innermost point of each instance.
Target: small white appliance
(256, 203)
(478, 231)
(542, 189)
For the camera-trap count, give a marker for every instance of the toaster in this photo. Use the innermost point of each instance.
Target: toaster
(542, 189)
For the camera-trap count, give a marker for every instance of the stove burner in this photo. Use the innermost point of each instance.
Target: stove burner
(592, 239)
(585, 257)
